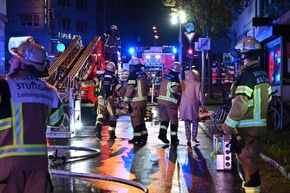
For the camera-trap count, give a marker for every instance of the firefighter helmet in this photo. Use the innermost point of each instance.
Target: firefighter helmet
(114, 27)
(248, 44)
(110, 66)
(135, 62)
(175, 67)
(32, 54)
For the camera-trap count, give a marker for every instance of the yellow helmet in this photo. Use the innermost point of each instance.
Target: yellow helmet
(175, 67)
(248, 44)
(110, 66)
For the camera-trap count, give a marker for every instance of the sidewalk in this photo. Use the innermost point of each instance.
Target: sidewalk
(272, 173)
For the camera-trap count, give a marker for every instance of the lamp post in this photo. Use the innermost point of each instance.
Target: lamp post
(179, 17)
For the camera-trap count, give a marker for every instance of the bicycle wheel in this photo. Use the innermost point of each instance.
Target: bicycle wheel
(217, 119)
(273, 119)
(286, 118)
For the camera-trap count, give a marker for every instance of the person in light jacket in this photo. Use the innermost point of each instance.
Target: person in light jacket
(192, 97)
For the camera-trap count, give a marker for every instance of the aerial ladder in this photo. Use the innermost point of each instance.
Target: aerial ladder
(74, 64)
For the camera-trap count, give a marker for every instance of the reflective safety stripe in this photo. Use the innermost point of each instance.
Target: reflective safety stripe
(256, 189)
(56, 116)
(5, 123)
(252, 123)
(245, 123)
(137, 134)
(23, 150)
(173, 133)
(257, 107)
(99, 122)
(163, 127)
(118, 86)
(175, 84)
(230, 122)
(131, 82)
(167, 99)
(135, 99)
(110, 46)
(168, 93)
(112, 128)
(144, 132)
(250, 103)
(244, 90)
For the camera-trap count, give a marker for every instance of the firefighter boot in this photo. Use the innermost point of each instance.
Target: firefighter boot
(162, 135)
(173, 133)
(137, 135)
(112, 128)
(254, 184)
(112, 135)
(98, 130)
(135, 139)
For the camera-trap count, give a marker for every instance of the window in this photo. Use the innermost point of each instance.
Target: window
(274, 61)
(65, 3)
(29, 20)
(64, 23)
(30, 1)
(82, 26)
(82, 4)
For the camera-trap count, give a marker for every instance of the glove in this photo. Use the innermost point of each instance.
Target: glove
(237, 144)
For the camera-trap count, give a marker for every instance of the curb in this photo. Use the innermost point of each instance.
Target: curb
(276, 166)
(264, 157)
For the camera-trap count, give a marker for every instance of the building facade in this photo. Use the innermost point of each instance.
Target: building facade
(3, 20)
(51, 22)
(269, 22)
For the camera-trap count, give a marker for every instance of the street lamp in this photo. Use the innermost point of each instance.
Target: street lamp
(179, 17)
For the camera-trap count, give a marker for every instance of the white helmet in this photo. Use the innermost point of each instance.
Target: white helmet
(110, 66)
(114, 27)
(135, 62)
(31, 53)
(248, 44)
(175, 67)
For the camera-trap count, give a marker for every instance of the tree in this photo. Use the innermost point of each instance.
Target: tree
(212, 18)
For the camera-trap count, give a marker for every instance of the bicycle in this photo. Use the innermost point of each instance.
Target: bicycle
(219, 116)
(274, 118)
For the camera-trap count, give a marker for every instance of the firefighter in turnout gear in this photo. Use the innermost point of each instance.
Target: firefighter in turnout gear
(136, 99)
(108, 86)
(27, 106)
(169, 94)
(246, 121)
(112, 43)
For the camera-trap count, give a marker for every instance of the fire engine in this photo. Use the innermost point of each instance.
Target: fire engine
(156, 60)
(77, 62)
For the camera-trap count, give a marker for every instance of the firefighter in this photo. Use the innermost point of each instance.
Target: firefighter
(169, 93)
(112, 43)
(136, 99)
(27, 106)
(246, 120)
(107, 85)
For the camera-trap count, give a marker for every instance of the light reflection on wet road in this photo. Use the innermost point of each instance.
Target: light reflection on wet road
(161, 168)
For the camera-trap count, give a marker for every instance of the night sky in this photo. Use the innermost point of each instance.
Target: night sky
(143, 15)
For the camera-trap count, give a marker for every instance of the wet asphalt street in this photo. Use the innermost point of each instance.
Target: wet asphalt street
(123, 167)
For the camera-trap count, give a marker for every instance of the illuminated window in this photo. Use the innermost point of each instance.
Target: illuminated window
(274, 61)
(29, 20)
